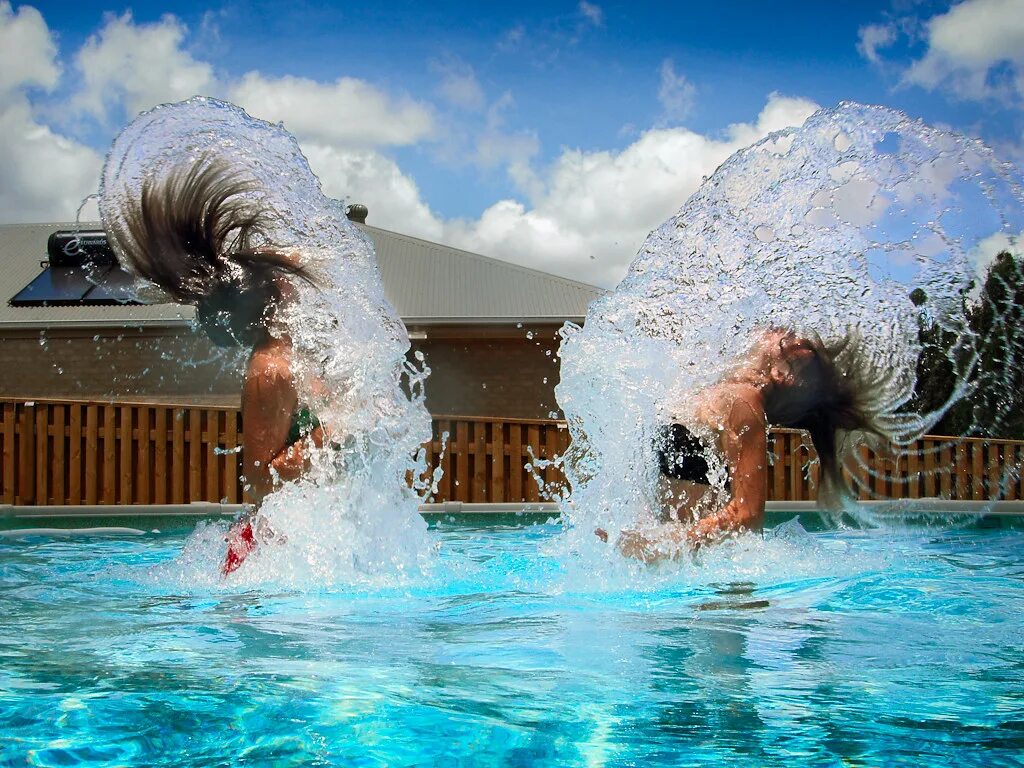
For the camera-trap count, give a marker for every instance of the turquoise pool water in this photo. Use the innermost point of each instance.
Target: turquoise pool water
(830, 648)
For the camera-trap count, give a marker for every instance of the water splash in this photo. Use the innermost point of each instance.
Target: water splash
(354, 515)
(826, 228)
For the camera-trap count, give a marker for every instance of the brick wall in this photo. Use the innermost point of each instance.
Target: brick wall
(502, 374)
(510, 378)
(124, 362)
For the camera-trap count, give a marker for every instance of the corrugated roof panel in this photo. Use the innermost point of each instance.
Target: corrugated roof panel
(425, 282)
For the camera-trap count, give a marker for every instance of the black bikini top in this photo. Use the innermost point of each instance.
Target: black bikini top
(682, 455)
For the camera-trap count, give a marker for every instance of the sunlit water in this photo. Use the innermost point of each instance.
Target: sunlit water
(833, 648)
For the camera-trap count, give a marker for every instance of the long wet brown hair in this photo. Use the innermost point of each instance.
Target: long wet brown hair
(199, 233)
(836, 398)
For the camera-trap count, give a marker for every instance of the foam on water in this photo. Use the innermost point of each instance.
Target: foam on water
(825, 228)
(353, 517)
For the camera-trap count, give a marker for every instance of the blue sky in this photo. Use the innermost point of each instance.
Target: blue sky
(553, 134)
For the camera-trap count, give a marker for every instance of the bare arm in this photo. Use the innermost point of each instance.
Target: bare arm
(269, 400)
(745, 443)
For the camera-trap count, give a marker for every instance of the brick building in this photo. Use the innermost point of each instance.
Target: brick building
(487, 328)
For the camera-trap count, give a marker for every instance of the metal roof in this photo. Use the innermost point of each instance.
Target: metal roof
(428, 283)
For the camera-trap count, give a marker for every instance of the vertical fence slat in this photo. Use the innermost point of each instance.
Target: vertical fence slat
(864, 457)
(498, 462)
(212, 459)
(461, 490)
(977, 470)
(75, 455)
(27, 457)
(914, 472)
(995, 466)
(814, 474)
(533, 441)
(58, 467)
(127, 454)
(9, 453)
(444, 487)
(109, 454)
(778, 484)
(881, 467)
(178, 456)
(946, 472)
(479, 461)
(796, 480)
(42, 494)
(515, 463)
(195, 455)
(231, 457)
(928, 448)
(145, 460)
(962, 490)
(160, 439)
(92, 453)
(551, 473)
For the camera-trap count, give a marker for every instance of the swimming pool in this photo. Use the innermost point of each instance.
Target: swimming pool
(827, 648)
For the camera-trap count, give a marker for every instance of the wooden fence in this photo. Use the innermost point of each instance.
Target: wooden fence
(142, 453)
(484, 460)
(964, 469)
(119, 453)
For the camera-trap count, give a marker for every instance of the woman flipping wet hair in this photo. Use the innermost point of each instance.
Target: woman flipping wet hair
(199, 234)
(787, 380)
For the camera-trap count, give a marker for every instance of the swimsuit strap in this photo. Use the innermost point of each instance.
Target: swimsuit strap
(304, 421)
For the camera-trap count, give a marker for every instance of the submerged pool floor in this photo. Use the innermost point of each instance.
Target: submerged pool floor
(829, 648)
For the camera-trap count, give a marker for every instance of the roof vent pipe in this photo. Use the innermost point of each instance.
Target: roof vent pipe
(357, 212)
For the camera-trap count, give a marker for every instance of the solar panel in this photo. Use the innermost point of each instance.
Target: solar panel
(82, 271)
(116, 287)
(59, 286)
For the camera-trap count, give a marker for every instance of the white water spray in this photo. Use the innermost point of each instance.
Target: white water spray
(824, 229)
(354, 516)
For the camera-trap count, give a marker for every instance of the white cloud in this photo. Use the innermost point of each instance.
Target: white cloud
(459, 85)
(592, 13)
(28, 55)
(586, 214)
(496, 146)
(350, 112)
(675, 93)
(873, 37)
(512, 39)
(583, 216)
(976, 49)
(366, 176)
(45, 175)
(985, 252)
(137, 66)
(591, 210)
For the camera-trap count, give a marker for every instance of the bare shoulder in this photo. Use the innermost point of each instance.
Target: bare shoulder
(269, 377)
(271, 364)
(735, 405)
